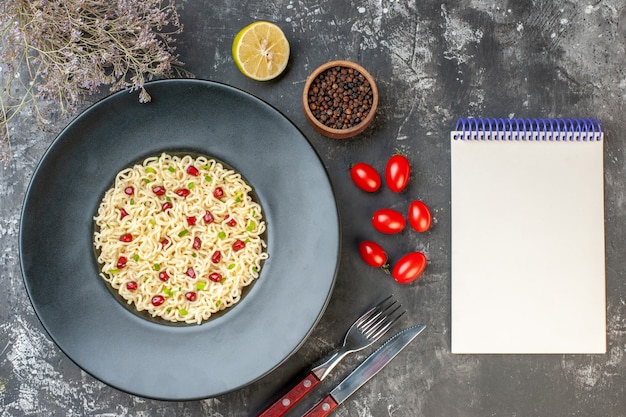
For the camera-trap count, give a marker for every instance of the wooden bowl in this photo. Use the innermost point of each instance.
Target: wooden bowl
(351, 129)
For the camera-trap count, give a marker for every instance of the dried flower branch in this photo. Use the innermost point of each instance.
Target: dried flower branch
(70, 48)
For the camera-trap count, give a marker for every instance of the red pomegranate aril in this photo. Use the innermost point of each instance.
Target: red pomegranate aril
(164, 243)
(121, 262)
(191, 296)
(190, 272)
(131, 285)
(127, 237)
(129, 190)
(191, 220)
(215, 277)
(158, 190)
(231, 222)
(182, 192)
(123, 213)
(163, 276)
(157, 300)
(217, 256)
(197, 243)
(218, 193)
(239, 245)
(192, 170)
(166, 206)
(208, 217)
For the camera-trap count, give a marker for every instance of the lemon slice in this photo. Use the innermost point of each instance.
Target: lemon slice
(261, 51)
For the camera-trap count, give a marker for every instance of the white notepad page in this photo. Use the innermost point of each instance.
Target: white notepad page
(528, 273)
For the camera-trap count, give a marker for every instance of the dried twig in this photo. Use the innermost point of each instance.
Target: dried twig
(70, 48)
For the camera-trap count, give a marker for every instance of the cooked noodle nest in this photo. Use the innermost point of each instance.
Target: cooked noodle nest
(159, 230)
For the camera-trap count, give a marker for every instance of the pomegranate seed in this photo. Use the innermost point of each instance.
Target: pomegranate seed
(164, 243)
(215, 277)
(197, 243)
(217, 255)
(123, 213)
(158, 190)
(129, 190)
(157, 300)
(131, 285)
(182, 192)
(191, 296)
(208, 217)
(166, 206)
(121, 263)
(191, 220)
(190, 272)
(231, 222)
(126, 238)
(163, 276)
(239, 245)
(192, 170)
(218, 193)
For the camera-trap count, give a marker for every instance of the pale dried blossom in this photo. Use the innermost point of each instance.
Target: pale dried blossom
(67, 49)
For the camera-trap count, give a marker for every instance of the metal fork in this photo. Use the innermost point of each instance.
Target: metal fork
(366, 330)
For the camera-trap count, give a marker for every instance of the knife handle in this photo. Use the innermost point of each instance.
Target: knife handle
(287, 401)
(322, 408)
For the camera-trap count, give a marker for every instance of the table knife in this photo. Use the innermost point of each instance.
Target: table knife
(364, 372)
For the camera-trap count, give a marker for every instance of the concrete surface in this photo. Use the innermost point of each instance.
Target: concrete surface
(433, 62)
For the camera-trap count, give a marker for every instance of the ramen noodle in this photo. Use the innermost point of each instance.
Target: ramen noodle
(179, 237)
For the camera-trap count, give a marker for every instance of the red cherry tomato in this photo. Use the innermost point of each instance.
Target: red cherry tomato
(373, 254)
(409, 267)
(388, 221)
(419, 216)
(397, 173)
(365, 177)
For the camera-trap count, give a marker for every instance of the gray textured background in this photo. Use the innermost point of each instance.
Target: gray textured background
(433, 62)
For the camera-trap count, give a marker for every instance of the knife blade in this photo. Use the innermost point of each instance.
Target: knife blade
(365, 371)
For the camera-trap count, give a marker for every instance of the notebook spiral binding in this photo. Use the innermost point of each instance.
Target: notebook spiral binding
(528, 129)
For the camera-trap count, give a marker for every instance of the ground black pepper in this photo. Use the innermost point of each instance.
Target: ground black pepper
(340, 97)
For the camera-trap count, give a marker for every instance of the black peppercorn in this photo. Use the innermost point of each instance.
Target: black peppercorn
(340, 97)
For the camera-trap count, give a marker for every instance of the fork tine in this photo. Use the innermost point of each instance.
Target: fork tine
(379, 322)
(385, 324)
(380, 310)
(382, 319)
(372, 312)
(375, 312)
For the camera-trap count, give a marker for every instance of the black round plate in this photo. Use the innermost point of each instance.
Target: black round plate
(112, 342)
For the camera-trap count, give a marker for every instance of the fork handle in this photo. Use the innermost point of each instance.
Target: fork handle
(295, 394)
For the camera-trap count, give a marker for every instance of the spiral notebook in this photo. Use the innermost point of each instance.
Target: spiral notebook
(528, 273)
